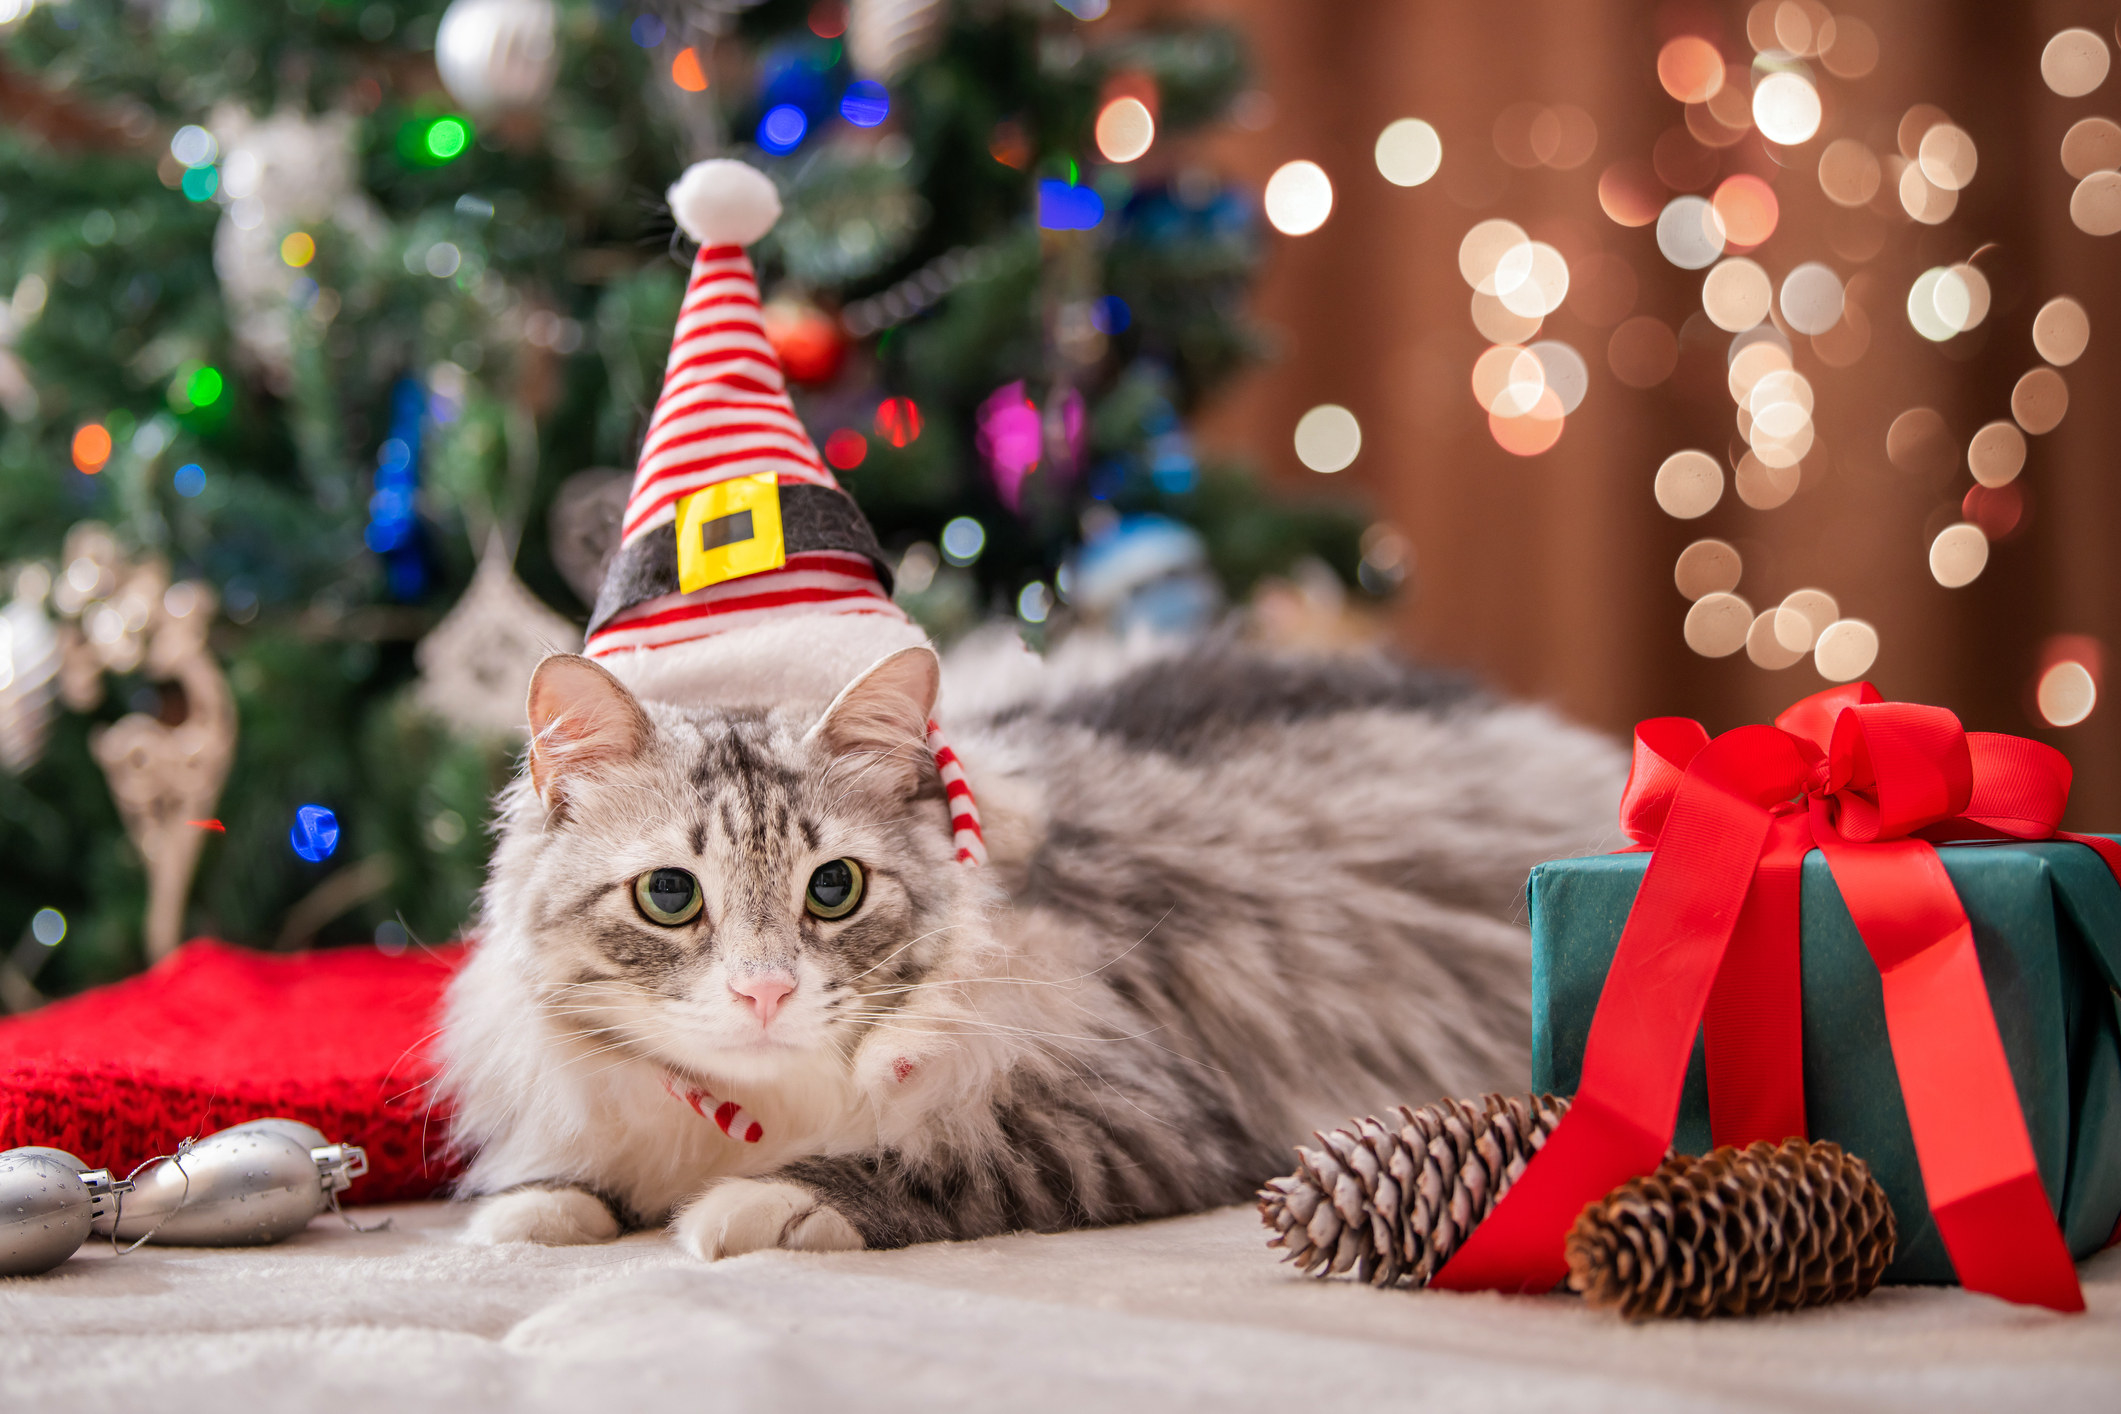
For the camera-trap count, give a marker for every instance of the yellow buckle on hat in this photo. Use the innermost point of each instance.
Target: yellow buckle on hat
(729, 530)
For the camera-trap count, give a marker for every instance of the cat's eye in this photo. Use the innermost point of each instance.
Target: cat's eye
(667, 896)
(834, 890)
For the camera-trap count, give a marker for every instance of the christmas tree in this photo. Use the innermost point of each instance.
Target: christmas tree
(337, 324)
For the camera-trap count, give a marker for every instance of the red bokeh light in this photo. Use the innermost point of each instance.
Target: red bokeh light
(898, 421)
(845, 449)
(1748, 208)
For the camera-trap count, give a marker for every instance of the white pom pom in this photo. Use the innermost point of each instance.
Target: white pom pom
(722, 202)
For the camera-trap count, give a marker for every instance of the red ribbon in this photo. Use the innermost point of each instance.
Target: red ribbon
(1713, 937)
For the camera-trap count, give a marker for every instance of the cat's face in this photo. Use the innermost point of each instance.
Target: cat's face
(730, 894)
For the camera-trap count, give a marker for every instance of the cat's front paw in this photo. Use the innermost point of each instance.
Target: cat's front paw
(739, 1215)
(553, 1217)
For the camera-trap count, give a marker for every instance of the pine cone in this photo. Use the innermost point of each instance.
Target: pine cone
(1395, 1204)
(1764, 1228)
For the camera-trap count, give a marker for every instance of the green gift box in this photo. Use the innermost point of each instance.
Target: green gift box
(2046, 919)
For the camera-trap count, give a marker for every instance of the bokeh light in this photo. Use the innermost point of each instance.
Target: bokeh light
(1688, 486)
(782, 129)
(1764, 648)
(1923, 199)
(2040, 400)
(1947, 157)
(2091, 145)
(2067, 693)
(1802, 617)
(447, 137)
(1761, 486)
(204, 387)
(1530, 432)
(1532, 279)
(298, 249)
(1481, 252)
(2095, 206)
(1736, 294)
(1996, 454)
(1568, 377)
(200, 183)
(1643, 351)
(1690, 233)
(898, 421)
(188, 480)
(2074, 62)
(194, 146)
(866, 104)
(1998, 510)
(1849, 172)
(1125, 129)
(1752, 361)
(1747, 207)
(1299, 198)
(1498, 324)
(91, 447)
(1690, 69)
(1717, 625)
(1958, 555)
(687, 72)
(1629, 193)
(1846, 650)
(845, 449)
(1681, 162)
(315, 833)
(2061, 330)
(1328, 438)
(1707, 567)
(963, 539)
(1854, 50)
(1508, 381)
(1786, 108)
(1409, 152)
(1034, 602)
(1812, 298)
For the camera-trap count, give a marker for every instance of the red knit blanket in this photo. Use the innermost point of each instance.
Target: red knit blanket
(216, 1035)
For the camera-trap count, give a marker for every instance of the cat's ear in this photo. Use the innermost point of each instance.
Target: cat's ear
(581, 718)
(878, 727)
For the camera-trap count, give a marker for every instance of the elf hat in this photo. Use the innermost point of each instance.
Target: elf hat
(745, 575)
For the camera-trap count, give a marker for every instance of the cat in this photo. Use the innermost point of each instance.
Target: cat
(730, 975)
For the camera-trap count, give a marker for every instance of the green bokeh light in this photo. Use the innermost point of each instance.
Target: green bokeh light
(200, 183)
(204, 387)
(447, 138)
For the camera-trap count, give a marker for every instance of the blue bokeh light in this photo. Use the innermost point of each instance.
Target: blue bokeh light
(648, 31)
(782, 128)
(1110, 315)
(190, 479)
(1062, 207)
(865, 104)
(315, 834)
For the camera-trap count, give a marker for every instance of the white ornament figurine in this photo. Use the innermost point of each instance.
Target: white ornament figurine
(498, 55)
(475, 665)
(884, 36)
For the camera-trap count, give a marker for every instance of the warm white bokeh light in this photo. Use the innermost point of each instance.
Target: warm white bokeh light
(1689, 485)
(1328, 438)
(1958, 555)
(1299, 197)
(2067, 694)
(1786, 109)
(1125, 129)
(1409, 152)
(1845, 650)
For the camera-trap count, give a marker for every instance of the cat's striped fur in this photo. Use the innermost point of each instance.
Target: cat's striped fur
(1231, 895)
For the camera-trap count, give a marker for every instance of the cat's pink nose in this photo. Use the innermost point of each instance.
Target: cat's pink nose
(764, 990)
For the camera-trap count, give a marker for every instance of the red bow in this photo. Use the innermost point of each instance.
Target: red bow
(1714, 935)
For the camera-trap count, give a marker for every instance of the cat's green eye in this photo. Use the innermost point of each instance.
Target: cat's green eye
(834, 890)
(667, 896)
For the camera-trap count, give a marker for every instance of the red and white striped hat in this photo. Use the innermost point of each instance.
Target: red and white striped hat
(745, 575)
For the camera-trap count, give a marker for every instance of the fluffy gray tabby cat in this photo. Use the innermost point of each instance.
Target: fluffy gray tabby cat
(1230, 896)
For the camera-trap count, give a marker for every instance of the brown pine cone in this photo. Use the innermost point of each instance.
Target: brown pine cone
(1395, 1203)
(1739, 1231)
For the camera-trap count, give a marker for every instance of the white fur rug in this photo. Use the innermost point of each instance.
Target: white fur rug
(1188, 1314)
